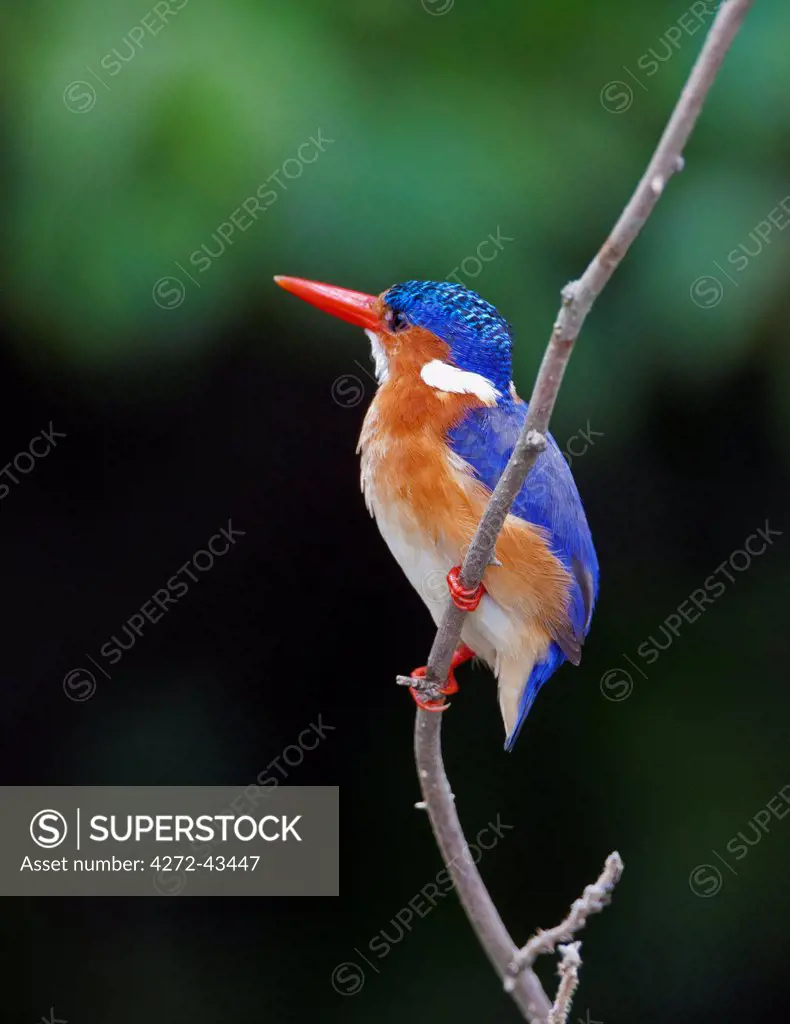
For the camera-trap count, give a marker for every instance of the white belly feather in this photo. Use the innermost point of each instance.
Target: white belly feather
(508, 644)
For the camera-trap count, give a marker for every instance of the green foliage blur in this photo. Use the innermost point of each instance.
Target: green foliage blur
(136, 134)
(165, 161)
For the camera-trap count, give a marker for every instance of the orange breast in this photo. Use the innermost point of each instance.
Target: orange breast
(407, 463)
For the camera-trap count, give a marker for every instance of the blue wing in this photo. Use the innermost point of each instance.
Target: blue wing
(549, 498)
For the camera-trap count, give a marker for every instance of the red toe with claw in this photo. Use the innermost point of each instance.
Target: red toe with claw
(461, 655)
(465, 598)
(424, 702)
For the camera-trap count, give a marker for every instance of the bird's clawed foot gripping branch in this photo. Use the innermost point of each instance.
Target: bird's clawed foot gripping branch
(515, 966)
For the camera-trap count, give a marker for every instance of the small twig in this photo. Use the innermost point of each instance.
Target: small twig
(569, 980)
(577, 300)
(594, 898)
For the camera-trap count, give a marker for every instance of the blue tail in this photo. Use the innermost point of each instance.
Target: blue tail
(541, 671)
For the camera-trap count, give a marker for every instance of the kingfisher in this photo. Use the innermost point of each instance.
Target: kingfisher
(434, 442)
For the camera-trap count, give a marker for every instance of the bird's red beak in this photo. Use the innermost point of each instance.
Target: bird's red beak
(354, 307)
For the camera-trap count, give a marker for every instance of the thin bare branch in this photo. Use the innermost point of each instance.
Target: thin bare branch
(569, 980)
(594, 898)
(577, 300)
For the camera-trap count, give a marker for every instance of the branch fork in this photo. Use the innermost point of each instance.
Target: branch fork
(592, 901)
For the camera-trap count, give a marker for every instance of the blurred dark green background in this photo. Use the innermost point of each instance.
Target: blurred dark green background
(140, 319)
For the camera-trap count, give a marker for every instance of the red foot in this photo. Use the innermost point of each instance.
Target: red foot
(464, 598)
(462, 654)
(424, 702)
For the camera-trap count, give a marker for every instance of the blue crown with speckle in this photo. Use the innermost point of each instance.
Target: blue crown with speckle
(478, 336)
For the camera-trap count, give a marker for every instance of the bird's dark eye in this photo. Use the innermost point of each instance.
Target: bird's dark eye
(396, 321)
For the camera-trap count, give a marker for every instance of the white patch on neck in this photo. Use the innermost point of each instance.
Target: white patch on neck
(380, 362)
(444, 377)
